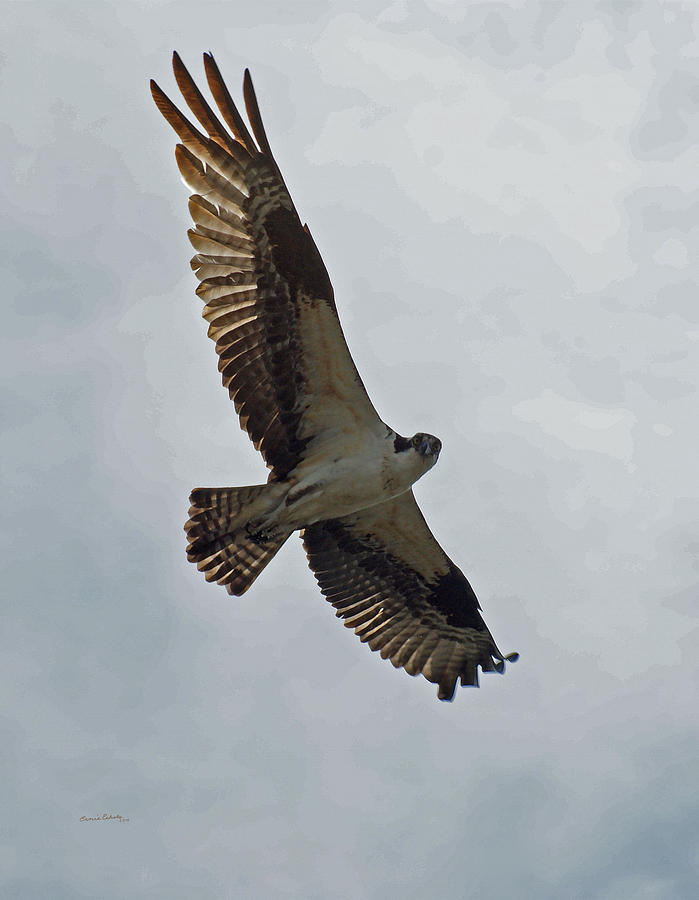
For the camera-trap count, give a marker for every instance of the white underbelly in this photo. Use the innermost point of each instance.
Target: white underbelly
(339, 488)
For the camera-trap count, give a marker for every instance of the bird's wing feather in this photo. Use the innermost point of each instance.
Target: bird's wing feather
(388, 578)
(267, 295)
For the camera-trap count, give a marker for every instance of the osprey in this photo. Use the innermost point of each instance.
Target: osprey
(339, 475)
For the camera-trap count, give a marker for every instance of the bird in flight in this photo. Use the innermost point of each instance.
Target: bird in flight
(338, 474)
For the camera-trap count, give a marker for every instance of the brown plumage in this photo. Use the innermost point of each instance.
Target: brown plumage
(414, 606)
(337, 472)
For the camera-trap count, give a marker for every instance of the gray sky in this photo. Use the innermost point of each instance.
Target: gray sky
(505, 195)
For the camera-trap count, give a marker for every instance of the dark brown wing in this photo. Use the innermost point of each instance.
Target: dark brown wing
(388, 578)
(267, 294)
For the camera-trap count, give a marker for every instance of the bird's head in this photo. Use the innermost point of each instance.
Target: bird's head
(426, 446)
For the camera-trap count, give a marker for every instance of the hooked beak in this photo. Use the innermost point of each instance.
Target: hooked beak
(430, 446)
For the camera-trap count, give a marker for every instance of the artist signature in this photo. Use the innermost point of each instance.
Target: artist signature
(104, 817)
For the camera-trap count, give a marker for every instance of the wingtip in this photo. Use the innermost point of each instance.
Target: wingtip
(446, 690)
(157, 93)
(248, 86)
(469, 679)
(499, 664)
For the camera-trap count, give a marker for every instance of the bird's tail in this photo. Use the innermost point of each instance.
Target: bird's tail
(231, 532)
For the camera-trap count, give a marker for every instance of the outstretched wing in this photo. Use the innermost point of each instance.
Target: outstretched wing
(388, 578)
(268, 298)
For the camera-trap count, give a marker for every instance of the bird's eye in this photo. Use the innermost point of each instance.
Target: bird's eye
(416, 440)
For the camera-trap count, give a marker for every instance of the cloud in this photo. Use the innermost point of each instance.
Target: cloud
(580, 426)
(502, 195)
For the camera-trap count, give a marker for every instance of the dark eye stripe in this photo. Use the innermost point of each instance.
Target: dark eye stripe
(400, 444)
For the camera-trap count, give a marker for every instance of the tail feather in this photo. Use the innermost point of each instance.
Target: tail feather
(215, 510)
(220, 541)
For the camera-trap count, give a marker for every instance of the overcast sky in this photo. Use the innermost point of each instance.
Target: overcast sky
(506, 196)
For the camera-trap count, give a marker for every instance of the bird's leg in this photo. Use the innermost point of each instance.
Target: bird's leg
(260, 533)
